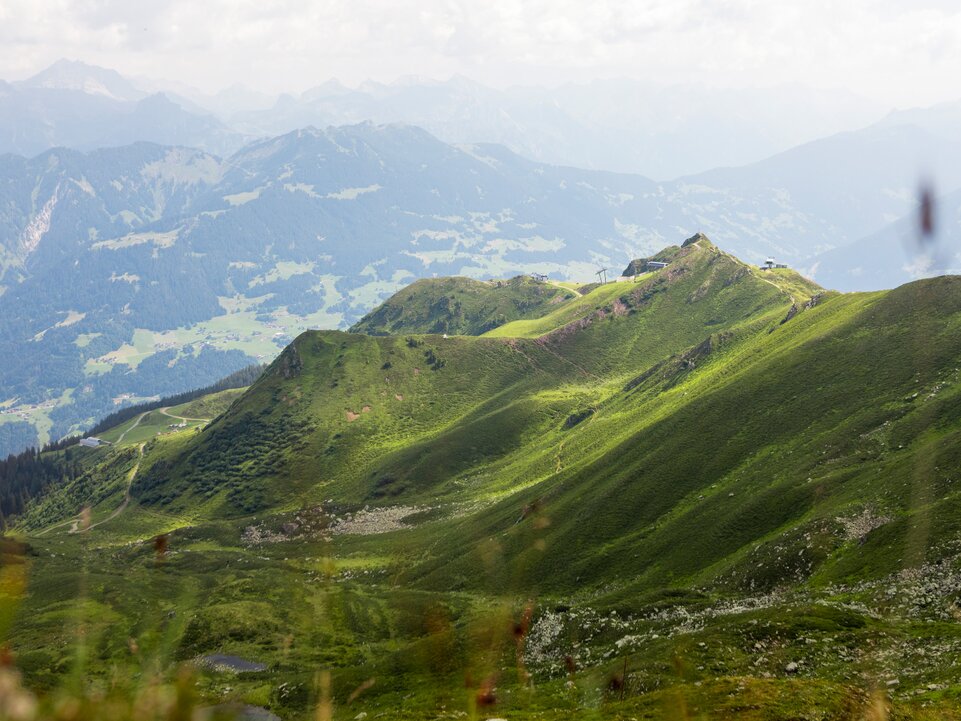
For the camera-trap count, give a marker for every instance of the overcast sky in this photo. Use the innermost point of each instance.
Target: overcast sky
(901, 52)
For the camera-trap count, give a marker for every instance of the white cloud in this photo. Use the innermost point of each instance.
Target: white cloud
(900, 52)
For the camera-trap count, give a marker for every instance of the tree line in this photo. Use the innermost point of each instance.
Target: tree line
(238, 379)
(29, 474)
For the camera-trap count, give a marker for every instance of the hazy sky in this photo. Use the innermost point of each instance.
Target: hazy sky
(902, 52)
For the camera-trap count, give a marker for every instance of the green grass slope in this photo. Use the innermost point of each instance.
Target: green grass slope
(461, 306)
(612, 299)
(848, 409)
(369, 419)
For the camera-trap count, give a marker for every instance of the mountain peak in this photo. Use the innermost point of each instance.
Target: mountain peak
(90, 79)
(697, 238)
(328, 89)
(65, 65)
(157, 100)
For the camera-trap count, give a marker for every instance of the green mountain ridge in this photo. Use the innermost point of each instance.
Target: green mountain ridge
(712, 473)
(328, 378)
(460, 306)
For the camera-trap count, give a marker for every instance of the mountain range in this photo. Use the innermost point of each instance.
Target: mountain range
(619, 125)
(127, 271)
(710, 486)
(143, 269)
(84, 107)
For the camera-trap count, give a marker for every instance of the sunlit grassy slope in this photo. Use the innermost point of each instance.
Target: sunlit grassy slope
(695, 479)
(401, 417)
(594, 300)
(461, 306)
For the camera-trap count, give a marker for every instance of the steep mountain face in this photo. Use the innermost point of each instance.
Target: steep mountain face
(67, 299)
(713, 466)
(62, 201)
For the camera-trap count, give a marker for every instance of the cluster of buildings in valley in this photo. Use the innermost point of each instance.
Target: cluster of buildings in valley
(27, 410)
(133, 398)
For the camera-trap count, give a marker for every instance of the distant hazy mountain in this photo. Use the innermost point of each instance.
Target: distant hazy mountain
(943, 119)
(616, 125)
(897, 253)
(619, 125)
(889, 254)
(89, 79)
(824, 194)
(237, 98)
(80, 106)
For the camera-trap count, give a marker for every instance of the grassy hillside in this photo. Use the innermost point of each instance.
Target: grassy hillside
(411, 417)
(713, 490)
(461, 306)
(776, 438)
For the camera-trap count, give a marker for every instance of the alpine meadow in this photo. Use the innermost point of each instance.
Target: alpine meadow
(616, 376)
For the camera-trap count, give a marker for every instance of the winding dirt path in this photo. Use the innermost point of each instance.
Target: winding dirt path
(134, 425)
(544, 343)
(57, 525)
(74, 522)
(166, 412)
(126, 496)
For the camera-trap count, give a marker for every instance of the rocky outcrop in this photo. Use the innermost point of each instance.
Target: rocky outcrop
(813, 301)
(696, 238)
(290, 364)
(792, 311)
(640, 265)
